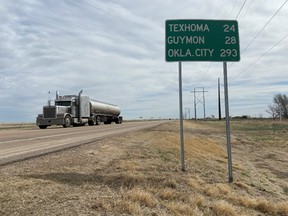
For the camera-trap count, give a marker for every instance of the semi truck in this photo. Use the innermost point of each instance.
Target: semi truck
(73, 110)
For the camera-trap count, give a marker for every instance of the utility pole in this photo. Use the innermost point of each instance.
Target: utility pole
(204, 104)
(187, 111)
(199, 100)
(219, 100)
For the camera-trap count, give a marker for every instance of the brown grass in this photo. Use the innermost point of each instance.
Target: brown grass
(223, 208)
(138, 174)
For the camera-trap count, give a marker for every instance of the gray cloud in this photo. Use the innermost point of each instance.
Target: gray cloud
(114, 51)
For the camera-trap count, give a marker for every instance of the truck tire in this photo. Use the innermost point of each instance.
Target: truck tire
(67, 121)
(98, 120)
(92, 122)
(118, 120)
(43, 126)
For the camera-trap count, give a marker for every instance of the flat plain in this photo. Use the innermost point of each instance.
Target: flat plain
(138, 173)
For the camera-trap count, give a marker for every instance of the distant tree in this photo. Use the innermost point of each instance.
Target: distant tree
(272, 110)
(281, 102)
(279, 108)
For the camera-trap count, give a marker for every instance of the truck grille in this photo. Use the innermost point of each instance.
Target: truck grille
(49, 112)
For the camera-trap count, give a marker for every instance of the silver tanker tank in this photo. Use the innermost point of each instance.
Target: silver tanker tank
(104, 108)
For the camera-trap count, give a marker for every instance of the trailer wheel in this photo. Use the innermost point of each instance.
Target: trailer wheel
(118, 120)
(67, 121)
(98, 120)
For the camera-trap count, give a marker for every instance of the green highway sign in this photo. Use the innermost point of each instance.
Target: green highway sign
(202, 40)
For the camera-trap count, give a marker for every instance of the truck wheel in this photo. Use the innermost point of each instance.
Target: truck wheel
(67, 122)
(118, 120)
(42, 126)
(98, 120)
(92, 122)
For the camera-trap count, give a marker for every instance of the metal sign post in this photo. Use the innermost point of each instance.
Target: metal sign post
(230, 178)
(181, 118)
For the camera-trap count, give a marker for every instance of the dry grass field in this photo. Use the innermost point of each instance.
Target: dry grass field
(5, 126)
(138, 174)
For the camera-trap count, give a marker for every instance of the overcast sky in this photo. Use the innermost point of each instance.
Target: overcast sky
(115, 51)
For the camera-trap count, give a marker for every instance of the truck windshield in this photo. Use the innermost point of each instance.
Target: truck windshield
(63, 103)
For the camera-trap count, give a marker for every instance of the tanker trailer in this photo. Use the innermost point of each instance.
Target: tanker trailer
(78, 110)
(104, 112)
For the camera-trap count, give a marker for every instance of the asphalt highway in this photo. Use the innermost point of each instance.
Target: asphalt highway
(21, 144)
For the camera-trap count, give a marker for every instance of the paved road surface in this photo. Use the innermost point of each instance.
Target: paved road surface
(19, 144)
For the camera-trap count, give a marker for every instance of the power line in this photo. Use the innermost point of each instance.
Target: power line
(251, 2)
(208, 68)
(252, 41)
(259, 31)
(240, 9)
(205, 74)
(264, 27)
(261, 56)
(235, 18)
